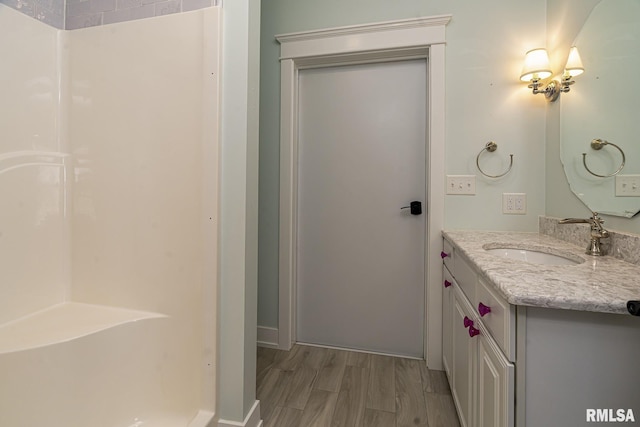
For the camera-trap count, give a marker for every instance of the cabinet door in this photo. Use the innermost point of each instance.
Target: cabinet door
(447, 321)
(464, 355)
(495, 387)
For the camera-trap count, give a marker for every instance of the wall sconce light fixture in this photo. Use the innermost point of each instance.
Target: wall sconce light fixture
(536, 68)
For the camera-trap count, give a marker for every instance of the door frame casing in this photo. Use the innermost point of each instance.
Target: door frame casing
(370, 43)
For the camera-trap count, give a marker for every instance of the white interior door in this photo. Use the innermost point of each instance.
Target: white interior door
(361, 158)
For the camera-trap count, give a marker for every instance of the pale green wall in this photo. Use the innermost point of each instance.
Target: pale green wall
(486, 42)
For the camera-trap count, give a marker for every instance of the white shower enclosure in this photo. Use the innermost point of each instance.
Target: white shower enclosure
(108, 182)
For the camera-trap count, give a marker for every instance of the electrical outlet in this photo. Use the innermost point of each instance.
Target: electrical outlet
(627, 185)
(461, 184)
(514, 203)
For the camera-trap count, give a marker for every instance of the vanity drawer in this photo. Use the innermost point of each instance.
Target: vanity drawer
(498, 316)
(466, 277)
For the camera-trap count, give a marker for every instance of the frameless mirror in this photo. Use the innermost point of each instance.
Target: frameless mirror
(603, 104)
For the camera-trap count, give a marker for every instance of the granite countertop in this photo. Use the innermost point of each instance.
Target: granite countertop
(600, 284)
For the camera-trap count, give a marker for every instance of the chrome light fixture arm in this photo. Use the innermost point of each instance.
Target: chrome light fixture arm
(551, 91)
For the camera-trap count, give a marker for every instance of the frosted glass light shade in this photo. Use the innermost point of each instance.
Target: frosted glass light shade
(536, 65)
(574, 65)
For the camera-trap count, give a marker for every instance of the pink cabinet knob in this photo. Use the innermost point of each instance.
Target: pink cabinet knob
(473, 331)
(468, 322)
(447, 283)
(443, 255)
(483, 309)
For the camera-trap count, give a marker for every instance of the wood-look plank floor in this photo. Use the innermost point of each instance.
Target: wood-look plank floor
(319, 387)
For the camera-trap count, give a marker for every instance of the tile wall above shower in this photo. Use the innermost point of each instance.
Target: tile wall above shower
(75, 14)
(48, 11)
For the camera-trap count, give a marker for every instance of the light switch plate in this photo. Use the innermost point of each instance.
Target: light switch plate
(514, 203)
(628, 185)
(461, 184)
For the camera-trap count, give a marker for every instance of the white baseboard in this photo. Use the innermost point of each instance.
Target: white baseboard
(267, 337)
(252, 419)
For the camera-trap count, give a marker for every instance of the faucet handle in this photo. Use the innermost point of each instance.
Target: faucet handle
(596, 224)
(597, 218)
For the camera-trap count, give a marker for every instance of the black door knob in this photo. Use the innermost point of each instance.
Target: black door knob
(415, 207)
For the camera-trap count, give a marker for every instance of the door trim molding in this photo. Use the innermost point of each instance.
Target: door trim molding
(379, 42)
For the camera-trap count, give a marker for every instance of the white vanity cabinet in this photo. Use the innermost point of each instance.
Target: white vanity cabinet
(464, 352)
(480, 374)
(554, 356)
(447, 327)
(495, 396)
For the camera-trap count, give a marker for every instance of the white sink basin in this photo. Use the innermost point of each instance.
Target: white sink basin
(535, 257)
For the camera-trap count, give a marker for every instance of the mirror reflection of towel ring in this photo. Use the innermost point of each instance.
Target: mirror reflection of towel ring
(597, 144)
(491, 147)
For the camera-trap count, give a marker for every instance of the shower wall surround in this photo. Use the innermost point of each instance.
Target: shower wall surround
(75, 14)
(108, 182)
(34, 243)
(138, 195)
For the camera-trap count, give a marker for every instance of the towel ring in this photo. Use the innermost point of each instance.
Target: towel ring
(597, 144)
(491, 147)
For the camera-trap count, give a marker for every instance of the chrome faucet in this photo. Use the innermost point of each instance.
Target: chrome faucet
(597, 232)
